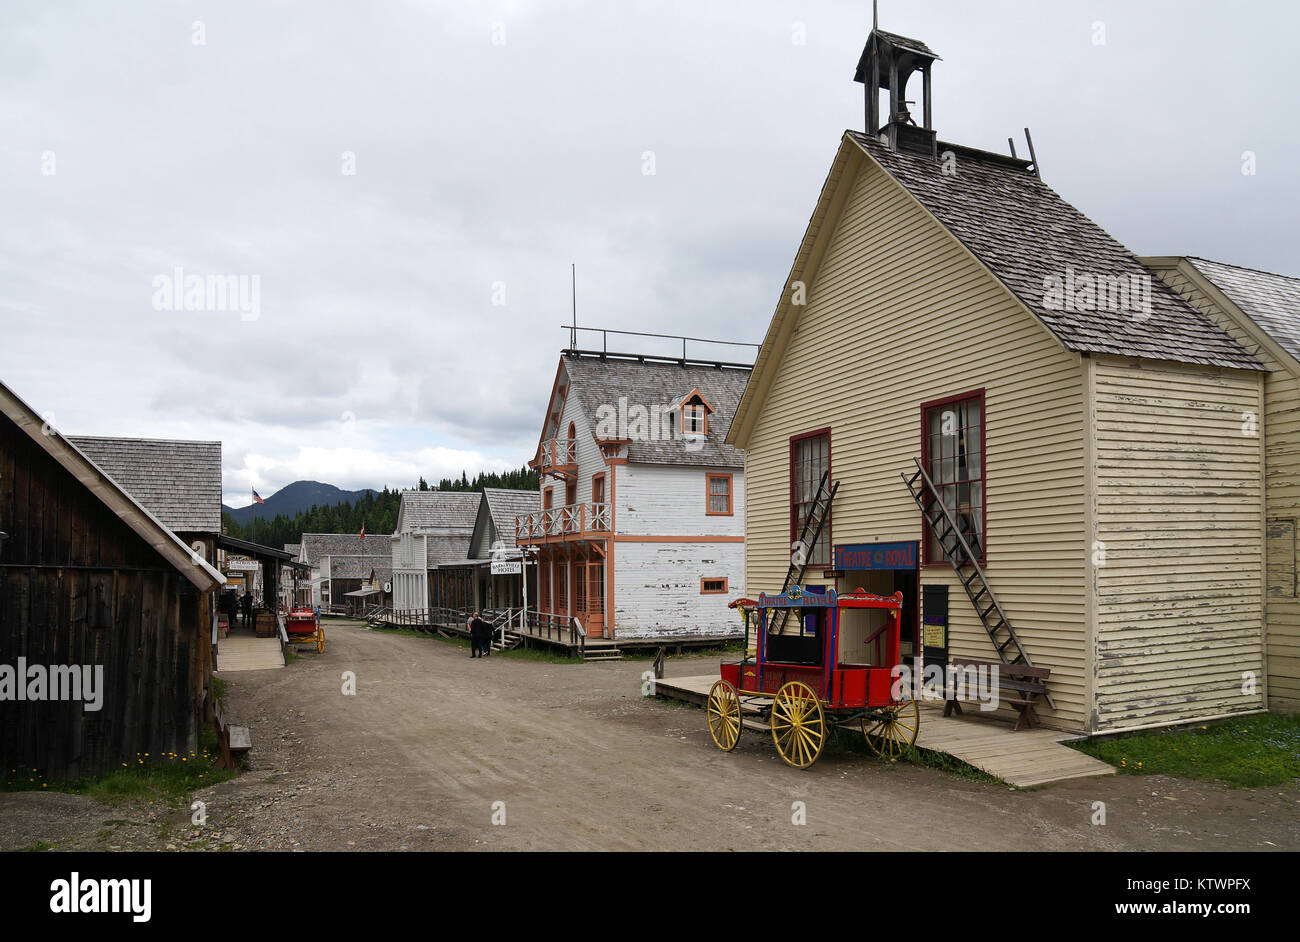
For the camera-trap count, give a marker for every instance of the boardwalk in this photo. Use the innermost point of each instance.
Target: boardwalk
(1027, 758)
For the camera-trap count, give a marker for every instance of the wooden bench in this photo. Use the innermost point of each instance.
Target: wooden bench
(235, 741)
(1026, 683)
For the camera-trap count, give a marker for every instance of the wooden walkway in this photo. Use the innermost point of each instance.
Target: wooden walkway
(1029, 757)
(247, 653)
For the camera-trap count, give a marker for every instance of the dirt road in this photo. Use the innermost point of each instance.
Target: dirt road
(434, 745)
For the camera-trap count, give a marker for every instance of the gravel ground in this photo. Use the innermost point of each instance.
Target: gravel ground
(437, 751)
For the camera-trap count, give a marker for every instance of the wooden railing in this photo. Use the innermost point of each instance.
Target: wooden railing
(571, 521)
(557, 627)
(557, 453)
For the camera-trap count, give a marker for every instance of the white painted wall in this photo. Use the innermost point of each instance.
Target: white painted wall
(657, 589)
(663, 500)
(410, 587)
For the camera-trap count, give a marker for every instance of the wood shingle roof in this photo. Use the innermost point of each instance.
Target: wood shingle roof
(1271, 301)
(179, 482)
(602, 382)
(1030, 238)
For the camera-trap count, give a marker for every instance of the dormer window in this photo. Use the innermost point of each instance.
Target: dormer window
(694, 411)
(695, 420)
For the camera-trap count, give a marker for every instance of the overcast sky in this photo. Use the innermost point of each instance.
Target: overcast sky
(492, 144)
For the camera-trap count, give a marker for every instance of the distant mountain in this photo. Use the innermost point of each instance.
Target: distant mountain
(295, 498)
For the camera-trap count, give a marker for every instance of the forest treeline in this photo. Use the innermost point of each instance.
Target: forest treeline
(378, 511)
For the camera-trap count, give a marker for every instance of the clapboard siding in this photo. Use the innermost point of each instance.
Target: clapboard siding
(898, 313)
(1179, 500)
(657, 589)
(1281, 431)
(661, 500)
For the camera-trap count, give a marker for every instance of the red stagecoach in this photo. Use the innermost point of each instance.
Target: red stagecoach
(303, 627)
(801, 683)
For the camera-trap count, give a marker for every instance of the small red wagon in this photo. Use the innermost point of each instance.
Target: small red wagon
(799, 684)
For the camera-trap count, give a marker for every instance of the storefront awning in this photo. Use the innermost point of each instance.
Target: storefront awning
(362, 593)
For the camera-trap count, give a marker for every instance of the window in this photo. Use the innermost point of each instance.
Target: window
(719, 494)
(598, 488)
(713, 586)
(695, 420)
(810, 458)
(953, 456)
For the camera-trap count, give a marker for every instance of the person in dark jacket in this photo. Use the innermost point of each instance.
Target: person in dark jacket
(480, 636)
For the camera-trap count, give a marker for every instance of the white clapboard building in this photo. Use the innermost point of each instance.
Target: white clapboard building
(639, 531)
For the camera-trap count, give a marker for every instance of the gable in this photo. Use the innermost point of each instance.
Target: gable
(1022, 235)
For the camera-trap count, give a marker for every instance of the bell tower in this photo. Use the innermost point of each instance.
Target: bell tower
(888, 63)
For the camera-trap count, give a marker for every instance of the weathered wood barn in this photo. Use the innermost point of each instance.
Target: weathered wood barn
(92, 584)
(1093, 437)
(179, 482)
(1262, 311)
(433, 527)
(639, 531)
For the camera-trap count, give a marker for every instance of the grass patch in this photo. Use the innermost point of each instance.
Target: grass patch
(219, 688)
(170, 776)
(38, 847)
(1250, 752)
(290, 655)
(724, 650)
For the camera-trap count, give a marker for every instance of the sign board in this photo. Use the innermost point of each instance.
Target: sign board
(242, 565)
(859, 557)
(503, 567)
(795, 597)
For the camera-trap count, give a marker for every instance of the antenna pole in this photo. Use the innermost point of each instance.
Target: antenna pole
(573, 334)
(875, 14)
(1032, 156)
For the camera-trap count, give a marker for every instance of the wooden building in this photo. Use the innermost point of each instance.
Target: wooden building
(90, 579)
(1262, 311)
(494, 568)
(639, 532)
(179, 482)
(1092, 435)
(433, 528)
(340, 563)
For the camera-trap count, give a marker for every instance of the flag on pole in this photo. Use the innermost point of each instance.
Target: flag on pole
(363, 529)
(256, 499)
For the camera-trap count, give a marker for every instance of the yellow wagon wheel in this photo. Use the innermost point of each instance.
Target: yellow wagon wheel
(798, 724)
(320, 640)
(892, 731)
(723, 710)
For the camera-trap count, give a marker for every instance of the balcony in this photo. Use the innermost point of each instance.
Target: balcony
(558, 456)
(569, 523)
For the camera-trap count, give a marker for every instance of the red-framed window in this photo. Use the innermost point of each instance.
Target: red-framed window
(598, 488)
(810, 457)
(952, 451)
(548, 497)
(716, 586)
(718, 495)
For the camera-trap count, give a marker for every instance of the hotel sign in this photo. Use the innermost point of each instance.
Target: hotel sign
(858, 557)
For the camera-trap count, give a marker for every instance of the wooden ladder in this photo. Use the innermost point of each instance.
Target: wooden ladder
(957, 550)
(812, 529)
